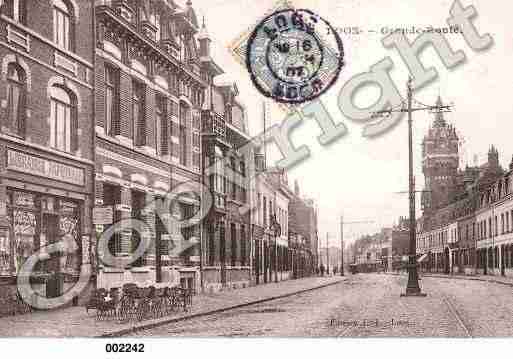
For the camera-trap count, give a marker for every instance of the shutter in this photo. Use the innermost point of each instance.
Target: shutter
(164, 138)
(100, 92)
(125, 103)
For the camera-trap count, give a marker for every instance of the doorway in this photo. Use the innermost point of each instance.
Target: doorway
(51, 232)
(446, 261)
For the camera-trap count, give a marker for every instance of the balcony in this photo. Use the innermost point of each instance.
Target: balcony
(215, 126)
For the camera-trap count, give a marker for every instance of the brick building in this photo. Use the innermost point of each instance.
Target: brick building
(150, 85)
(273, 256)
(46, 136)
(303, 234)
(465, 226)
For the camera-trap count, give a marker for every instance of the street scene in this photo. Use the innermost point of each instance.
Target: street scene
(364, 305)
(165, 174)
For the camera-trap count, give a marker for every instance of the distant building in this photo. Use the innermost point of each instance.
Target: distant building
(467, 223)
(303, 233)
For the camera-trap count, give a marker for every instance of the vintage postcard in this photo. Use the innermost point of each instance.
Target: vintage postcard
(238, 168)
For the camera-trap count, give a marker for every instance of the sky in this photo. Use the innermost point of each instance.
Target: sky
(359, 177)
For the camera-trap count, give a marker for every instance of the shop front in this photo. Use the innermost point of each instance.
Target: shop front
(45, 200)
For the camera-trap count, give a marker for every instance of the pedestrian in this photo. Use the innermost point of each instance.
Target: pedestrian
(335, 269)
(322, 270)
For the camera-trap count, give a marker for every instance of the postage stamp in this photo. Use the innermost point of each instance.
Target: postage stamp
(294, 56)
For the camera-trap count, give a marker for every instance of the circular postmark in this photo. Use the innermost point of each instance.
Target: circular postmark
(294, 56)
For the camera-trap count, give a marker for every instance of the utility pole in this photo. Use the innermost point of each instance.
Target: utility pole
(342, 240)
(412, 288)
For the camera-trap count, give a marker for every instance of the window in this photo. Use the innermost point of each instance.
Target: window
(16, 97)
(158, 25)
(265, 212)
(16, 10)
(137, 112)
(243, 245)
(62, 24)
(62, 119)
(184, 119)
(111, 98)
(160, 125)
(233, 237)
(111, 197)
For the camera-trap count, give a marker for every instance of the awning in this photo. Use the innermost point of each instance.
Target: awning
(422, 258)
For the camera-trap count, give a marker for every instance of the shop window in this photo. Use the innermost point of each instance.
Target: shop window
(37, 221)
(69, 234)
(63, 26)
(16, 98)
(62, 119)
(16, 10)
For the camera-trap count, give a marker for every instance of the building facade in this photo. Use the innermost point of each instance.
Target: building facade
(465, 226)
(150, 84)
(303, 234)
(46, 138)
(272, 256)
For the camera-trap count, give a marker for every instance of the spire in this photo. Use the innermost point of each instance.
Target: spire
(203, 34)
(439, 116)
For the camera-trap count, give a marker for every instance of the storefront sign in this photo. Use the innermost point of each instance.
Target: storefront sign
(103, 215)
(22, 162)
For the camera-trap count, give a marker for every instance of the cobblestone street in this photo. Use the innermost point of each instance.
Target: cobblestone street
(366, 305)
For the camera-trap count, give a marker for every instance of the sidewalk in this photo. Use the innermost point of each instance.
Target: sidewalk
(479, 277)
(74, 322)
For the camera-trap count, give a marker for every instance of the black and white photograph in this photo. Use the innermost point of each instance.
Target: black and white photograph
(250, 172)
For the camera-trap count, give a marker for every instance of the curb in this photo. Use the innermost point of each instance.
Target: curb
(125, 331)
(495, 281)
(471, 278)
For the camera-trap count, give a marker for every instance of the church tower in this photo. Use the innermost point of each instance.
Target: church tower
(440, 161)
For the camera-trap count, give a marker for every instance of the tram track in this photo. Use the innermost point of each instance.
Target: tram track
(459, 318)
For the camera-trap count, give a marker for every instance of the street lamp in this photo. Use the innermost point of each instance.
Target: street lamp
(412, 288)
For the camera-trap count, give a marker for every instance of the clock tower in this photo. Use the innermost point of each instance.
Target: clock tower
(440, 161)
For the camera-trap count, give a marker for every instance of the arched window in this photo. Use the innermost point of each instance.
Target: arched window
(16, 98)
(62, 119)
(63, 24)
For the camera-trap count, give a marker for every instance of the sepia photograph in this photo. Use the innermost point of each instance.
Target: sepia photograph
(254, 170)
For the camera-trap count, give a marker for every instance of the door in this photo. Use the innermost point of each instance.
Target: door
(446, 261)
(51, 231)
(223, 253)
